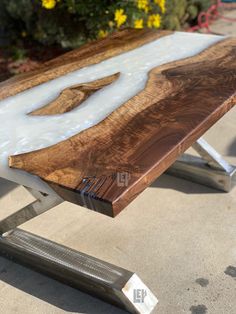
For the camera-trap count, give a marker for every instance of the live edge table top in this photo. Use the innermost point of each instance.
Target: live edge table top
(100, 123)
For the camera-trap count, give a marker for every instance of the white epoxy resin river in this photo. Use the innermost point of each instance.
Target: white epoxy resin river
(20, 133)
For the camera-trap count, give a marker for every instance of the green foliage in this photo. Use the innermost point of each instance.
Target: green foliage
(71, 23)
(182, 12)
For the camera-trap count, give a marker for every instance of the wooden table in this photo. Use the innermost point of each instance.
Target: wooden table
(102, 122)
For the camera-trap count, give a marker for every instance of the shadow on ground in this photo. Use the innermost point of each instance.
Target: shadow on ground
(232, 148)
(45, 288)
(63, 296)
(51, 291)
(170, 182)
(6, 187)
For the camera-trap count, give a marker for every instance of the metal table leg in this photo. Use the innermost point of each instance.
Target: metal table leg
(210, 169)
(113, 284)
(42, 203)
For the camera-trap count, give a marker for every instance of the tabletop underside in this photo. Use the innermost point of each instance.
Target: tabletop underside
(132, 137)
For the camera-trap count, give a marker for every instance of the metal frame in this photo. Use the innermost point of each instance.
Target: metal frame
(108, 282)
(210, 169)
(42, 203)
(96, 277)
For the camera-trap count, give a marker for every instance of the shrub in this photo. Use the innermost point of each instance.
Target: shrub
(70, 23)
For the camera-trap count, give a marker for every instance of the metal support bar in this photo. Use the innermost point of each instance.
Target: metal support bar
(211, 156)
(113, 284)
(210, 170)
(106, 281)
(42, 203)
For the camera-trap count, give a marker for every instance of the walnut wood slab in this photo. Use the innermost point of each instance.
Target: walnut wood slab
(91, 53)
(72, 97)
(106, 166)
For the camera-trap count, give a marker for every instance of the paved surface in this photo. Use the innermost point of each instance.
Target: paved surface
(178, 236)
(223, 26)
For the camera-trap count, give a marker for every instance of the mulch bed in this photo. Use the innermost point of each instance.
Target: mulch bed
(35, 56)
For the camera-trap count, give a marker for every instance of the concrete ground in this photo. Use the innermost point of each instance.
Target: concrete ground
(223, 26)
(179, 237)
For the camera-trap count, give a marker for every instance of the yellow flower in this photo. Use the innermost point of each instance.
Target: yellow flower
(154, 20)
(120, 17)
(48, 4)
(162, 5)
(102, 33)
(138, 23)
(143, 5)
(111, 24)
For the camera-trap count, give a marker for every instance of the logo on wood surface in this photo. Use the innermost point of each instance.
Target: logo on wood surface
(122, 178)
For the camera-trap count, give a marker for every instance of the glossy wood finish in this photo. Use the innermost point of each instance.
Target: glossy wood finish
(72, 97)
(106, 166)
(90, 53)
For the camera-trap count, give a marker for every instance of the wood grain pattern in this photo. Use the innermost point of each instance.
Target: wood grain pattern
(72, 97)
(90, 53)
(105, 167)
